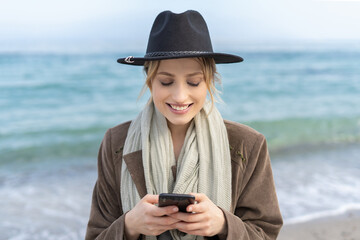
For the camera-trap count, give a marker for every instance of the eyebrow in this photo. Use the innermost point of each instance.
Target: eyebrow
(172, 75)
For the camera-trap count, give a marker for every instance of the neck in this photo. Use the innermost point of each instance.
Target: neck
(178, 133)
(178, 130)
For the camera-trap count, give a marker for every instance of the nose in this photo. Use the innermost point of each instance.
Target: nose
(179, 93)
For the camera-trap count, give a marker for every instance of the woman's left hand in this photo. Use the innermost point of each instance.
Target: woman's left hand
(203, 218)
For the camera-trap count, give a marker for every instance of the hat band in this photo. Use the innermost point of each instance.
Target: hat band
(175, 53)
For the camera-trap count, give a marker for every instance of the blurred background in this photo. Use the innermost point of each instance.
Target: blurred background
(61, 89)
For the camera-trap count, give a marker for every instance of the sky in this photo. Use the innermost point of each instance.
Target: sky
(125, 25)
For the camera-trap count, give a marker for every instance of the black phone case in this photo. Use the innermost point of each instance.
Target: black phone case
(179, 200)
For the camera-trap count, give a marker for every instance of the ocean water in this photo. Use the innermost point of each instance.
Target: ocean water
(56, 107)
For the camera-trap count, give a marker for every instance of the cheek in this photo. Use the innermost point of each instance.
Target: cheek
(201, 94)
(157, 95)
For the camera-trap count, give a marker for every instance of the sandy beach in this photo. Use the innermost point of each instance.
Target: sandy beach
(342, 227)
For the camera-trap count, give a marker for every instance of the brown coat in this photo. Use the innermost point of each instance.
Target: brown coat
(254, 210)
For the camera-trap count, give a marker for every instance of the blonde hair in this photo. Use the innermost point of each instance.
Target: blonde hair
(211, 76)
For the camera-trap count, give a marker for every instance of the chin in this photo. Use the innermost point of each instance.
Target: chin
(178, 122)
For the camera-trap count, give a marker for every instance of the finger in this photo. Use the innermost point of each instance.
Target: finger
(187, 227)
(202, 205)
(199, 197)
(149, 198)
(165, 221)
(161, 211)
(188, 217)
(197, 208)
(198, 229)
(157, 230)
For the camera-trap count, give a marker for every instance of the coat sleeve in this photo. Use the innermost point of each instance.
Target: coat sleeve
(107, 220)
(257, 214)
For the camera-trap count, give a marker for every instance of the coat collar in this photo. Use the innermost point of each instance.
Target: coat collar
(135, 166)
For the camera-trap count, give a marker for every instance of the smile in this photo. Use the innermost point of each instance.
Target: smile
(179, 108)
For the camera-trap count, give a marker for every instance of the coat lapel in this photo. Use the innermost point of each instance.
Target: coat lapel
(136, 169)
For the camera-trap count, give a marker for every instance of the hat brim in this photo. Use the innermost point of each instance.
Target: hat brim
(218, 57)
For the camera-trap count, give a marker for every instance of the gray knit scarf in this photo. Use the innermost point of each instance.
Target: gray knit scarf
(203, 166)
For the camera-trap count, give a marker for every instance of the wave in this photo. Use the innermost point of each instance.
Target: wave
(341, 211)
(286, 135)
(50, 144)
(283, 136)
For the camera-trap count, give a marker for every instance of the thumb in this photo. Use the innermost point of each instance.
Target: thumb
(152, 199)
(199, 197)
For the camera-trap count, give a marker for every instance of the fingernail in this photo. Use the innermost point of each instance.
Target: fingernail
(175, 209)
(190, 209)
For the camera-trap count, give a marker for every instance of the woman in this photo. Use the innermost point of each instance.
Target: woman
(179, 143)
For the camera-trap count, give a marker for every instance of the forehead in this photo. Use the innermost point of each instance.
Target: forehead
(180, 65)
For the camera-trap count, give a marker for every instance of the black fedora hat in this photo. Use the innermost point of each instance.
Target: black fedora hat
(181, 35)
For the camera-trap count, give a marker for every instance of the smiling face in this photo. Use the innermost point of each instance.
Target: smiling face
(179, 90)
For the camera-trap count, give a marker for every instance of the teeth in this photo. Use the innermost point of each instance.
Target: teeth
(179, 108)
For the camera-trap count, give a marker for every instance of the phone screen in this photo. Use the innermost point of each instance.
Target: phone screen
(179, 200)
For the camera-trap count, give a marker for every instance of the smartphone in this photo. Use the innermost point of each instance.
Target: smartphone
(179, 200)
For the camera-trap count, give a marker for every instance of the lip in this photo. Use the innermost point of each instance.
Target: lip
(179, 105)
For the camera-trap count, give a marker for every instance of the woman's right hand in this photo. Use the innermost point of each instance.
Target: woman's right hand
(147, 219)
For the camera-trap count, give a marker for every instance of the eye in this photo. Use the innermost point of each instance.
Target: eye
(193, 84)
(194, 81)
(166, 83)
